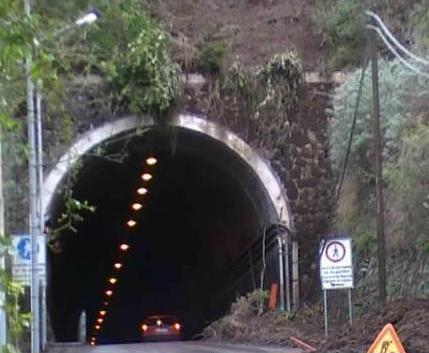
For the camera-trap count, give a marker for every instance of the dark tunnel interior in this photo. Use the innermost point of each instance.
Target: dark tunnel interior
(203, 207)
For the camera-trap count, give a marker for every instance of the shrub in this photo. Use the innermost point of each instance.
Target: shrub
(211, 55)
(342, 22)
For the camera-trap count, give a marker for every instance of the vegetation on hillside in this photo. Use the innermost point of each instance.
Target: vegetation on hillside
(405, 122)
(405, 126)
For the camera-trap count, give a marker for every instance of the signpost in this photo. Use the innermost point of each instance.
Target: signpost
(21, 259)
(336, 270)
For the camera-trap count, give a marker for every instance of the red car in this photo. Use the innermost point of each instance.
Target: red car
(161, 327)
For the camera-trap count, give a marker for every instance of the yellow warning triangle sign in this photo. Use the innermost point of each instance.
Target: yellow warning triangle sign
(387, 341)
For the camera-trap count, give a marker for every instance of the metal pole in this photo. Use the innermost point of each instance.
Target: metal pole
(281, 273)
(82, 327)
(287, 277)
(350, 307)
(381, 246)
(325, 310)
(40, 210)
(3, 332)
(295, 273)
(32, 174)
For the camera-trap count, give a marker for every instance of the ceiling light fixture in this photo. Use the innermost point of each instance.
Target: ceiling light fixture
(136, 206)
(124, 247)
(141, 191)
(151, 161)
(146, 176)
(131, 223)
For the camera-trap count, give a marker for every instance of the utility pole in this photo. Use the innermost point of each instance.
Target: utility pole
(3, 331)
(378, 150)
(34, 225)
(41, 223)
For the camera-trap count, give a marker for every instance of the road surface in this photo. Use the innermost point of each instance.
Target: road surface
(173, 347)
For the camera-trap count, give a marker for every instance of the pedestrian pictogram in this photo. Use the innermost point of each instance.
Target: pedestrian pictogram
(387, 341)
(335, 251)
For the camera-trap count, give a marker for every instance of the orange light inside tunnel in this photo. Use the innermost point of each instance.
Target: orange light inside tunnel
(144, 327)
(151, 161)
(117, 265)
(124, 247)
(103, 312)
(106, 303)
(136, 206)
(113, 280)
(146, 176)
(109, 292)
(97, 327)
(177, 326)
(92, 343)
(131, 223)
(159, 322)
(100, 320)
(142, 191)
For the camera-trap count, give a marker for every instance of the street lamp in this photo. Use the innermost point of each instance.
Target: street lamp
(34, 133)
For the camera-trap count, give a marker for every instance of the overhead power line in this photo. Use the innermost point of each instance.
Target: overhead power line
(396, 54)
(394, 40)
(352, 129)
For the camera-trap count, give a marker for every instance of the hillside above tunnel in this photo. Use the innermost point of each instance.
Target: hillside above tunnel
(253, 30)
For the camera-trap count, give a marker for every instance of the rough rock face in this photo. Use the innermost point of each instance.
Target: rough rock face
(407, 275)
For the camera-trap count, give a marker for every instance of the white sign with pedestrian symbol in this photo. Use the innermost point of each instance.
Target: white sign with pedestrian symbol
(21, 258)
(336, 271)
(336, 265)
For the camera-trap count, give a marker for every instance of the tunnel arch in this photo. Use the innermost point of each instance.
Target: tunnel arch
(261, 200)
(90, 139)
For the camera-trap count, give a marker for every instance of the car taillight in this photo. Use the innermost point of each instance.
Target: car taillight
(144, 327)
(177, 326)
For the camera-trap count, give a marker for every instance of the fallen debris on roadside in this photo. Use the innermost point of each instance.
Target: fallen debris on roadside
(242, 324)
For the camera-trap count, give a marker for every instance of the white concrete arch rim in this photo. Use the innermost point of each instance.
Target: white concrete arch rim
(91, 138)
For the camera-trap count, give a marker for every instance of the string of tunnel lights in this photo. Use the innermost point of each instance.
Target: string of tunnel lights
(123, 248)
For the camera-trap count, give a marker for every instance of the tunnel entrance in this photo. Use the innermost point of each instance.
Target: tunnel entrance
(204, 207)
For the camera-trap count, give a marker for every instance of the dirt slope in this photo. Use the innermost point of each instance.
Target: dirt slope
(255, 29)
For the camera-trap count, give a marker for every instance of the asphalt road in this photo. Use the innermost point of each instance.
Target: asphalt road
(173, 347)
